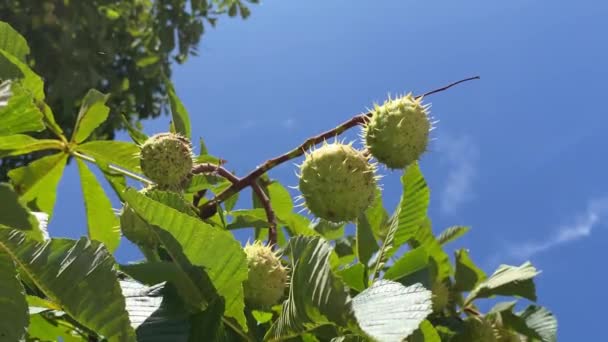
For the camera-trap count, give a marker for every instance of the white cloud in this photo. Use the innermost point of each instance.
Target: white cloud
(582, 226)
(460, 155)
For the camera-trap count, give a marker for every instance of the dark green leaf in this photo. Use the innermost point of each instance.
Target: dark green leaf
(136, 135)
(366, 242)
(316, 295)
(225, 263)
(507, 281)
(37, 182)
(468, 275)
(16, 216)
(102, 222)
(208, 325)
(248, 218)
(424, 237)
(13, 307)
(451, 234)
(93, 112)
(56, 265)
(329, 230)
(389, 311)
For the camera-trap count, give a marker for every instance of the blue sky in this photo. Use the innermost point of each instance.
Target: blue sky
(519, 155)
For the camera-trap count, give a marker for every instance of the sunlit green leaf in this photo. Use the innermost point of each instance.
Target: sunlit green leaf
(56, 265)
(50, 328)
(13, 145)
(389, 311)
(93, 112)
(102, 223)
(37, 182)
(18, 112)
(354, 276)
(13, 307)
(507, 281)
(451, 234)
(120, 153)
(542, 321)
(12, 68)
(413, 205)
(425, 333)
(12, 42)
(410, 262)
(248, 218)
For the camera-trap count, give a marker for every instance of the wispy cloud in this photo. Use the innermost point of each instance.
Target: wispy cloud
(581, 226)
(461, 155)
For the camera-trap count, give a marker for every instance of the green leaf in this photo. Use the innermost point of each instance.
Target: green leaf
(102, 223)
(12, 68)
(248, 218)
(18, 112)
(507, 281)
(14, 145)
(542, 321)
(208, 325)
(316, 295)
(451, 234)
(56, 265)
(413, 205)
(280, 199)
(354, 276)
(49, 120)
(93, 112)
(181, 118)
(389, 311)
(329, 230)
(153, 273)
(366, 242)
(136, 135)
(225, 263)
(16, 216)
(410, 262)
(377, 216)
(468, 275)
(426, 333)
(53, 328)
(13, 306)
(424, 237)
(12, 42)
(120, 153)
(37, 182)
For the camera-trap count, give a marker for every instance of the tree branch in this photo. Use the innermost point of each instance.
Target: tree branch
(250, 179)
(222, 172)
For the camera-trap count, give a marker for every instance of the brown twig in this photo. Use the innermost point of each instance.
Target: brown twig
(222, 172)
(250, 179)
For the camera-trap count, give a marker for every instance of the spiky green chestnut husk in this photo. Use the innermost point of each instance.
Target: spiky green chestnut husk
(267, 276)
(135, 228)
(337, 182)
(397, 133)
(166, 159)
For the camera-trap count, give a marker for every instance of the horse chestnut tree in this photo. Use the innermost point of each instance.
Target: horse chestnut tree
(348, 271)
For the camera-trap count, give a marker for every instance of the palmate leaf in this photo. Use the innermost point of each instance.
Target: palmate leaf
(37, 182)
(316, 295)
(225, 263)
(389, 311)
(93, 112)
(77, 275)
(507, 281)
(13, 306)
(102, 223)
(451, 234)
(17, 144)
(18, 112)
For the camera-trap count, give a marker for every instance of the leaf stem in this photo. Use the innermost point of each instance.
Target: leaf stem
(114, 168)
